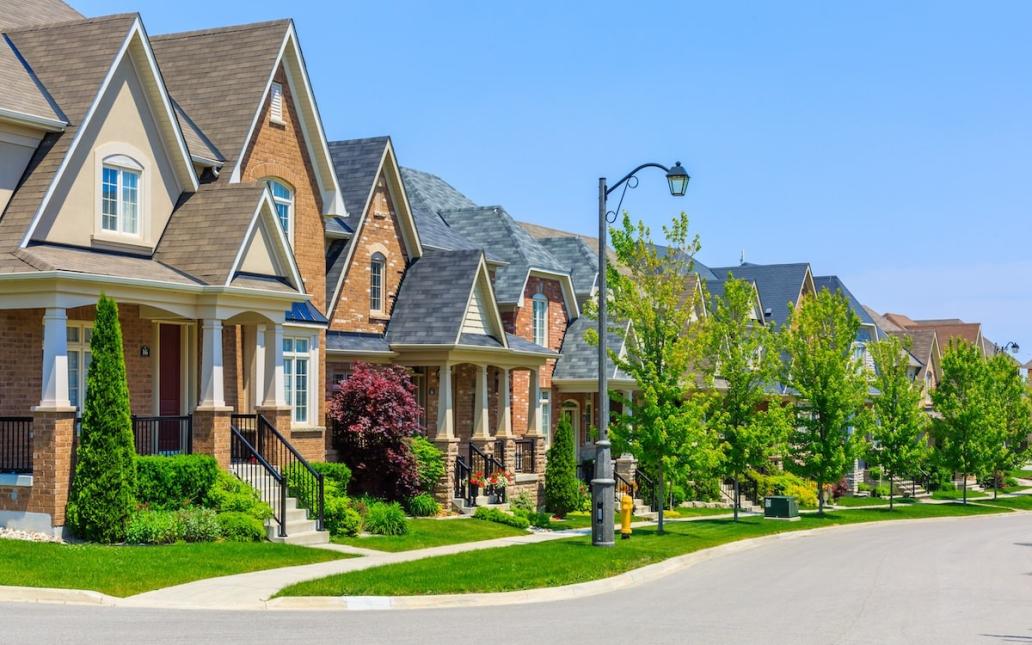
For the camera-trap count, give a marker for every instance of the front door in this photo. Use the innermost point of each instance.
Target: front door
(170, 390)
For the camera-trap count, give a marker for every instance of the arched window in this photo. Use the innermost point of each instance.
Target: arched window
(283, 198)
(540, 313)
(120, 195)
(377, 267)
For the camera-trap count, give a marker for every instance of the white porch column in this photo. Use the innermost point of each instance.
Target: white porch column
(504, 429)
(212, 382)
(275, 392)
(628, 408)
(445, 412)
(534, 405)
(54, 391)
(258, 374)
(480, 415)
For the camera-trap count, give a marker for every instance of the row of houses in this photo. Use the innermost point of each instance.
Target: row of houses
(254, 261)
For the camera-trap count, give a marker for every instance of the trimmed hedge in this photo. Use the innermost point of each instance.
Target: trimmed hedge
(429, 463)
(240, 527)
(500, 517)
(168, 483)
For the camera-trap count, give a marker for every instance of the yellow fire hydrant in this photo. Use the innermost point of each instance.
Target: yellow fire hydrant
(626, 508)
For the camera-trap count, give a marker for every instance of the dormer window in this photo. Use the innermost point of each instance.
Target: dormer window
(540, 315)
(283, 198)
(377, 266)
(120, 195)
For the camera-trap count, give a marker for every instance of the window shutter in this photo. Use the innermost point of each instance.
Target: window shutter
(276, 103)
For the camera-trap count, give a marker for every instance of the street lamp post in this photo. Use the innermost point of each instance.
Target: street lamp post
(1011, 346)
(603, 484)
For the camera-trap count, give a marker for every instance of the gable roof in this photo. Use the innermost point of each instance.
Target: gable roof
(833, 283)
(968, 332)
(580, 260)
(17, 14)
(778, 284)
(357, 163)
(578, 359)
(23, 99)
(428, 196)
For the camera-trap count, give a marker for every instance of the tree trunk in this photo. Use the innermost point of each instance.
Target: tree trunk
(965, 487)
(820, 497)
(662, 497)
(738, 498)
(891, 498)
(996, 485)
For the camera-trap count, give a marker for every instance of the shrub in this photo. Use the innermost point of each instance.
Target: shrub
(536, 519)
(199, 524)
(240, 527)
(583, 497)
(497, 516)
(864, 487)
(522, 502)
(230, 495)
(424, 505)
(374, 414)
(386, 519)
(335, 475)
(874, 473)
(562, 488)
(103, 494)
(429, 463)
(339, 518)
(168, 483)
(787, 484)
(154, 527)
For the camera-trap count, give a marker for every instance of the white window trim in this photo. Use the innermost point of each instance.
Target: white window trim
(82, 346)
(378, 258)
(542, 299)
(545, 403)
(315, 388)
(276, 103)
(122, 157)
(290, 203)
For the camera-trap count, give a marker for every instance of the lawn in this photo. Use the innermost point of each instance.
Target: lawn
(687, 511)
(572, 560)
(128, 570)
(425, 533)
(1021, 502)
(957, 495)
(849, 502)
(1021, 474)
(582, 520)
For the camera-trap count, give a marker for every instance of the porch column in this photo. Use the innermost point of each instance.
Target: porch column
(504, 429)
(54, 390)
(258, 375)
(445, 412)
(629, 411)
(480, 414)
(212, 383)
(275, 392)
(534, 405)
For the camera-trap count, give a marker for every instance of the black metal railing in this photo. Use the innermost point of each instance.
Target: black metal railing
(482, 466)
(499, 450)
(623, 486)
(526, 454)
(462, 488)
(16, 445)
(163, 435)
(249, 465)
(260, 443)
(646, 488)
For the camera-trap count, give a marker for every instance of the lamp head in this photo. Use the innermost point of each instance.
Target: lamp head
(678, 178)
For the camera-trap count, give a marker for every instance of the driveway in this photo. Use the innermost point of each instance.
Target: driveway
(947, 581)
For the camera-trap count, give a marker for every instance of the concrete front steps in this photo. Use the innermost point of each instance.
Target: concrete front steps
(301, 531)
(907, 488)
(459, 506)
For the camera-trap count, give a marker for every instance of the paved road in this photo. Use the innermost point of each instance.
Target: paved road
(953, 581)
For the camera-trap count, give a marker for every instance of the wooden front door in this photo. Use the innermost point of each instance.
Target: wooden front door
(170, 391)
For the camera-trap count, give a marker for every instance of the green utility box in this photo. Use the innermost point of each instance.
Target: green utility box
(780, 508)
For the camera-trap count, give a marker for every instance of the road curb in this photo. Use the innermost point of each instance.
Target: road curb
(55, 596)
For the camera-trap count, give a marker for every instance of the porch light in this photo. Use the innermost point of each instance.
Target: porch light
(678, 178)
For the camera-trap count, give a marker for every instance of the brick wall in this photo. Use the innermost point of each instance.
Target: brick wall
(21, 342)
(380, 233)
(139, 370)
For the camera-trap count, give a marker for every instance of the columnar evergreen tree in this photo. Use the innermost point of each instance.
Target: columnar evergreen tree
(967, 421)
(657, 293)
(899, 421)
(1012, 397)
(562, 488)
(102, 497)
(830, 389)
(744, 363)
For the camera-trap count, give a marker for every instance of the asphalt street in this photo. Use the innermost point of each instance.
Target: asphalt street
(952, 581)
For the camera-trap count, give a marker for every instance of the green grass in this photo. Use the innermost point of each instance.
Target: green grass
(128, 570)
(685, 511)
(849, 502)
(1021, 474)
(1021, 502)
(573, 560)
(425, 533)
(957, 495)
(582, 520)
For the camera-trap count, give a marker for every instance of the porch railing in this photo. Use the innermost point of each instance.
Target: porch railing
(526, 451)
(249, 465)
(163, 435)
(462, 488)
(16, 445)
(485, 465)
(623, 486)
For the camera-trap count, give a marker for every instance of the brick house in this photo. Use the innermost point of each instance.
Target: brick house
(196, 195)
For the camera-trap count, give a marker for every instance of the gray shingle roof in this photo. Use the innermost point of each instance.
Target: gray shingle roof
(578, 359)
(21, 94)
(15, 14)
(356, 162)
(218, 76)
(45, 257)
(428, 195)
(778, 284)
(580, 260)
(523, 345)
(341, 341)
(497, 232)
(833, 283)
(478, 340)
(432, 299)
(336, 257)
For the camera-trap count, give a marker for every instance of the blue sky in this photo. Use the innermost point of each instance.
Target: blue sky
(888, 143)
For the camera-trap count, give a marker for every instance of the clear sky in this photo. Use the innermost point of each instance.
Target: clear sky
(888, 143)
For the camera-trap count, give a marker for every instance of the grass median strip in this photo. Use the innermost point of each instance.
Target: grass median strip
(1020, 502)
(127, 570)
(426, 533)
(573, 560)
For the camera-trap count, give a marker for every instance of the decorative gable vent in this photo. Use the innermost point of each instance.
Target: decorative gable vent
(276, 103)
(474, 322)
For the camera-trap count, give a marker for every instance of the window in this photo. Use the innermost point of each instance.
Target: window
(79, 335)
(541, 320)
(376, 270)
(283, 198)
(120, 196)
(295, 376)
(546, 415)
(276, 103)
(589, 420)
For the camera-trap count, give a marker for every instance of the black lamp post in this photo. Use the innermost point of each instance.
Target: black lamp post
(603, 484)
(1011, 346)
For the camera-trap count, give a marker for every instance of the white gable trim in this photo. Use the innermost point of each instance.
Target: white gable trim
(319, 152)
(267, 209)
(396, 187)
(565, 282)
(135, 32)
(492, 315)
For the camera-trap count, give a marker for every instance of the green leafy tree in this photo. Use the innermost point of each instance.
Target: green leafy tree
(744, 364)
(968, 420)
(102, 497)
(899, 422)
(1012, 398)
(562, 488)
(829, 388)
(657, 293)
